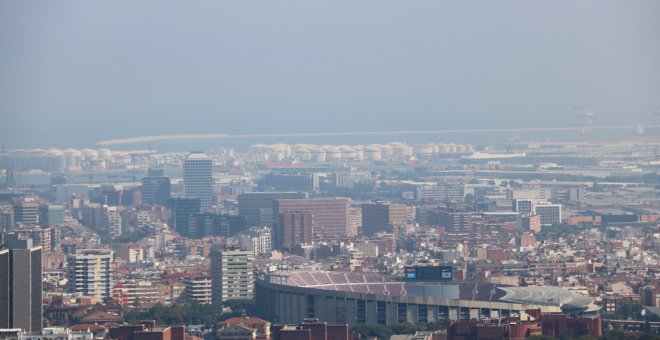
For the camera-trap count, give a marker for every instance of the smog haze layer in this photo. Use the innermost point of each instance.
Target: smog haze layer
(76, 73)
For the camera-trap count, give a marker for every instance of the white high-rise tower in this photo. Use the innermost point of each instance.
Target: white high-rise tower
(198, 178)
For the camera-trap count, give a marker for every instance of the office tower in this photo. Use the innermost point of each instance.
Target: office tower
(181, 210)
(26, 212)
(292, 182)
(233, 276)
(92, 216)
(198, 178)
(113, 222)
(210, 224)
(40, 236)
(257, 207)
(156, 190)
(20, 285)
(382, 217)
(522, 206)
(106, 195)
(90, 273)
(330, 214)
(6, 217)
(445, 192)
(454, 192)
(549, 213)
(454, 221)
(202, 225)
(294, 229)
(51, 214)
(198, 289)
(349, 178)
(131, 197)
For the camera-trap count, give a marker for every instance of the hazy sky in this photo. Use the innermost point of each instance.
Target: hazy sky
(76, 72)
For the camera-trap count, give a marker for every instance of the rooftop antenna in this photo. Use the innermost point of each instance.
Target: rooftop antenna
(91, 174)
(149, 151)
(133, 170)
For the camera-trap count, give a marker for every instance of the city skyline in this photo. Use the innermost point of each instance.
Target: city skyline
(345, 170)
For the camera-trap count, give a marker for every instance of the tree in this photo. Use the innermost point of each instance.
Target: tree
(404, 328)
(379, 331)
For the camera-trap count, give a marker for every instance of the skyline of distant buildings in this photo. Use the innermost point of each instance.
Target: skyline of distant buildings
(134, 232)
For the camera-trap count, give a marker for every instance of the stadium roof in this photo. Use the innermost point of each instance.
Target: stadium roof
(378, 284)
(545, 295)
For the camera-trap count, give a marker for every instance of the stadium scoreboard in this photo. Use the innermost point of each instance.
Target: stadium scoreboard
(440, 273)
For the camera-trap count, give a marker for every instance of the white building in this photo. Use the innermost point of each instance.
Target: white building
(233, 276)
(198, 178)
(198, 288)
(90, 272)
(113, 222)
(550, 213)
(257, 240)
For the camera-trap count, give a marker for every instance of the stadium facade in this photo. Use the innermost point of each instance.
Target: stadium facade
(354, 298)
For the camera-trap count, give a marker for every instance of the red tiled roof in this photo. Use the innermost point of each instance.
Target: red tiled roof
(87, 326)
(246, 321)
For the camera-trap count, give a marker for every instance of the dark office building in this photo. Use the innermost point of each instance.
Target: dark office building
(620, 218)
(181, 210)
(156, 190)
(257, 207)
(131, 197)
(293, 229)
(26, 212)
(291, 181)
(51, 214)
(106, 195)
(20, 285)
(209, 224)
(454, 221)
(382, 217)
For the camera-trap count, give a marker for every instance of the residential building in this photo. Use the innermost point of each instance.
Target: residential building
(90, 273)
(6, 217)
(233, 276)
(250, 327)
(258, 240)
(198, 288)
(147, 330)
(113, 222)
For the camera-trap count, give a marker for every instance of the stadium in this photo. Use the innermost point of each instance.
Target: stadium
(336, 297)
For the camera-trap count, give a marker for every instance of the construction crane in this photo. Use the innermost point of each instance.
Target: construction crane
(586, 118)
(641, 128)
